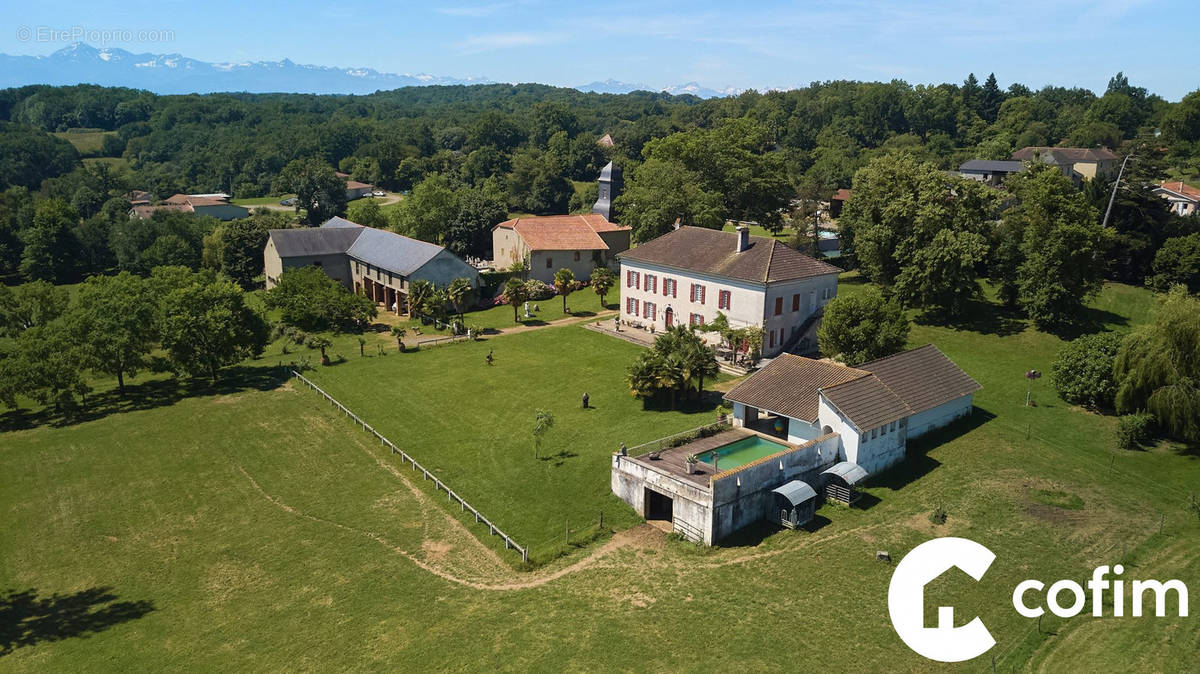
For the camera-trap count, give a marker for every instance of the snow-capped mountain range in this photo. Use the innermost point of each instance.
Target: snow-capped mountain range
(178, 74)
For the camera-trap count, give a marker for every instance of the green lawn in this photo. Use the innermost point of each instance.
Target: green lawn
(475, 422)
(758, 230)
(257, 529)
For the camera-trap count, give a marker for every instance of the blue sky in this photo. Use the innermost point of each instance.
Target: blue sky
(718, 44)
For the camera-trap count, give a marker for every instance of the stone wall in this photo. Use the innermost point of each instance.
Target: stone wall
(742, 496)
(691, 504)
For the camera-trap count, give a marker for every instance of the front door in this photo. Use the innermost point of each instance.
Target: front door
(669, 316)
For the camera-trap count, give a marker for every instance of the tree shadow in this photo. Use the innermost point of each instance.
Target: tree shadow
(979, 316)
(917, 462)
(150, 394)
(1089, 321)
(27, 618)
(559, 458)
(580, 314)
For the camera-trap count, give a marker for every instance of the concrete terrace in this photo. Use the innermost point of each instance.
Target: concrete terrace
(673, 461)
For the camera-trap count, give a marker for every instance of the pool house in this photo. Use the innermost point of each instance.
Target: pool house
(802, 431)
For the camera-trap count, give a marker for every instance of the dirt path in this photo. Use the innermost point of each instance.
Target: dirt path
(500, 332)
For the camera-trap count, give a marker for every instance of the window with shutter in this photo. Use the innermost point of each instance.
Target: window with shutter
(796, 302)
(778, 310)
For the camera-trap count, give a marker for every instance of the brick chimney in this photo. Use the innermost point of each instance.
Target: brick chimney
(743, 240)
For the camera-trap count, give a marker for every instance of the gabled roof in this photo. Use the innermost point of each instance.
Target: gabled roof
(1073, 154)
(307, 241)
(869, 395)
(1181, 189)
(923, 377)
(993, 166)
(714, 252)
(146, 210)
(390, 251)
(842, 194)
(562, 232)
(788, 385)
(867, 402)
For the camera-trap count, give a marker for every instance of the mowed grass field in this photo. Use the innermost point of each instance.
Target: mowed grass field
(471, 423)
(261, 530)
(87, 142)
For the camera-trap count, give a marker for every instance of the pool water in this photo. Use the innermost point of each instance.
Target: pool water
(743, 451)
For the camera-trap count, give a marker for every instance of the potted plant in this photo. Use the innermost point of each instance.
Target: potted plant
(692, 460)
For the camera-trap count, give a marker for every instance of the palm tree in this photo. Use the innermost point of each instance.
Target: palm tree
(543, 421)
(322, 343)
(398, 332)
(603, 279)
(418, 295)
(514, 290)
(457, 293)
(563, 278)
(702, 364)
(642, 376)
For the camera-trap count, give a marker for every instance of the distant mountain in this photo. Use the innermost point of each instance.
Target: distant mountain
(615, 87)
(177, 74)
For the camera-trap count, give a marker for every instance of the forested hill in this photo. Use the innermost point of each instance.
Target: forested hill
(471, 154)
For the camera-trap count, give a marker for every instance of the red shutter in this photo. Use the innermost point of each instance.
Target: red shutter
(701, 294)
(778, 310)
(796, 302)
(628, 279)
(772, 339)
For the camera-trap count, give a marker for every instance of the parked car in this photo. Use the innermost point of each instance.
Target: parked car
(379, 193)
(290, 201)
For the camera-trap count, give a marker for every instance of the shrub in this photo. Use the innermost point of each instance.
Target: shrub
(1082, 373)
(1135, 430)
(539, 290)
(938, 516)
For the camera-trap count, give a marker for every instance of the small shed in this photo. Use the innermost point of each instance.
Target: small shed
(840, 481)
(793, 504)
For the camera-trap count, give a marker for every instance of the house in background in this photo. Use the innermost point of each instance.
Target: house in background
(1077, 163)
(838, 201)
(990, 172)
(551, 242)
(1184, 198)
(690, 274)
(354, 188)
(214, 205)
(374, 262)
(801, 428)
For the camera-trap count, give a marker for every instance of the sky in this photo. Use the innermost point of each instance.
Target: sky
(717, 44)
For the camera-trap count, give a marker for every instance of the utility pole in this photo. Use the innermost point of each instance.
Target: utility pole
(1112, 197)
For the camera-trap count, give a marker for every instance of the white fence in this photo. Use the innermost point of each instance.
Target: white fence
(509, 543)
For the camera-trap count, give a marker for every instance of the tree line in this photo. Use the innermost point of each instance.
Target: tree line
(117, 326)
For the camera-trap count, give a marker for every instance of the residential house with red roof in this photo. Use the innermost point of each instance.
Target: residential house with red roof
(552, 242)
(1184, 198)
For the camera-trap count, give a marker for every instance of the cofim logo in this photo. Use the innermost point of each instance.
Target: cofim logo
(947, 643)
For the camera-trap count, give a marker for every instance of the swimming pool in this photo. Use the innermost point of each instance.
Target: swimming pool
(740, 452)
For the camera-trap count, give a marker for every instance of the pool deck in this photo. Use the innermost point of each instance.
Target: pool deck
(673, 461)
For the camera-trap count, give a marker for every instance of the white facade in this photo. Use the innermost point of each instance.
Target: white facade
(660, 296)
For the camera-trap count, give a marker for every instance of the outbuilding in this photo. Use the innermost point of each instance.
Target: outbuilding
(840, 482)
(794, 504)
